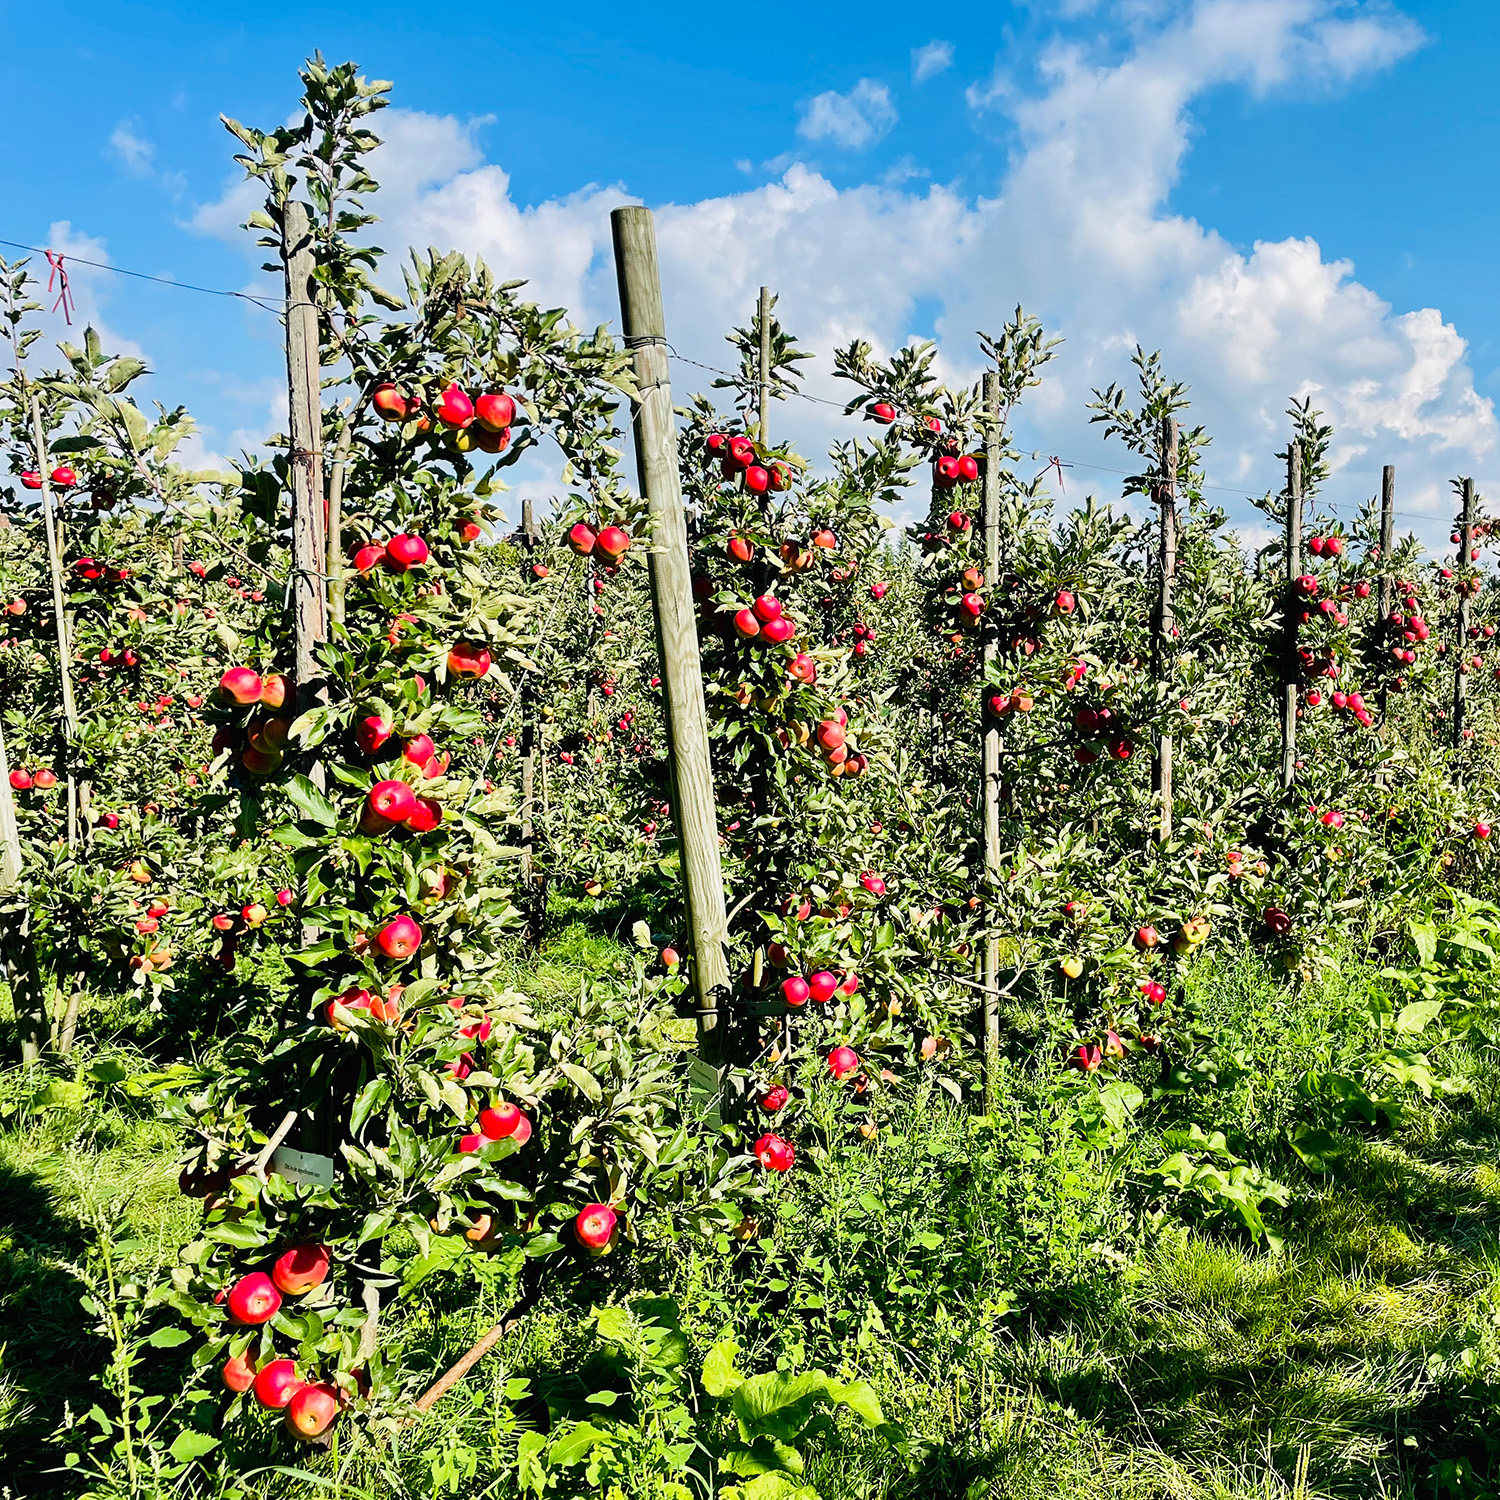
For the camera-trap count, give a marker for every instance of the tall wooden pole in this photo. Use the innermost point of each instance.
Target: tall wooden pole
(1461, 645)
(1165, 653)
(991, 504)
(59, 609)
(644, 323)
(305, 411)
(765, 365)
(1291, 609)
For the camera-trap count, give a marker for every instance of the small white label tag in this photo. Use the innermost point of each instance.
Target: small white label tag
(305, 1168)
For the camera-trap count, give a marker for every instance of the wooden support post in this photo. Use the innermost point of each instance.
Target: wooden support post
(1462, 647)
(305, 410)
(1387, 539)
(644, 323)
(59, 611)
(765, 365)
(1165, 652)
(1290, 610)
(334, 545)
(536, 891)
(991, 732)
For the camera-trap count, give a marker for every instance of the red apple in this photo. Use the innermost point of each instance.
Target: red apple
(843, 1061)
(21, 780)
(1147, 937)
(371, 733)
(276, 1383)
(393, 801)
(425, 816)
(767, 608)
(778, 631)
(239, 1373)
(399, 938)
(63, 477)
(582, 538)
(311, 1410)
(1481, 830)
(419, 749)
(500, 1121)
(882, 412)
(775, 1154)
(389, 402)
(301, 1268)
(746, 626)
(774, 1100)
(454, 408)
(595, 1226)
(739, 549)
(254, 1299)
(405, 551)
(468, 660)
(613, 542)
(872, 883)
(823, 986)
(240, 685)
(795, 990)
(370, 556)
(273, 690)
(495, 411)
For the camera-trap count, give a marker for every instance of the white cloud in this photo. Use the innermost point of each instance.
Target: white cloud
(1078, 229)
(137, 154)
(854, 120)
(927, 62)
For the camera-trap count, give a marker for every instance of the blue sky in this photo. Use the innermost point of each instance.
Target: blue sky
(1113, 163)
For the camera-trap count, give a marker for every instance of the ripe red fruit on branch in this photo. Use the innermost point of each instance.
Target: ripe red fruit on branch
(503, 1120)
(399, 938)
(948, 472)
(1277, 920)
(803, 669)
(300, 1269)
(830, 734)
(31, 480)
(311, 1410)
(775, 1154)
(419, 749)
(740, 549)
(371, 733)
(1481, 830)
(741, 452)
(392, 801)
(1307, 584)
(368, 557)
(454, 408)
(254, 1299)
(882, 412)
(273, 691)
(582, 538)
(968, 468)
(405, 551)
(746, 626)
(495, 411)
(595, 1226)
(426, 815)
(823, 986)
(774, 1100)
(1147, 937)
(872, 883)
(468, 660)
(843, 1061)
(240, 685)
(613, 542)
(388, 402)
(238, 1373)
(20, 780)
(1064, 602)
(779, 631)
(757, 479)
(795, 990)
(767, 608)
(63, 477)
(276, 1383)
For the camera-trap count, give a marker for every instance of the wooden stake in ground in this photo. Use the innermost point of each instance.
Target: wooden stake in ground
(676, 620)
(991, 505)
(1290, 611)
(305, 403)
(1164, 652)
(765, 365)
(1461, 645)
(536, 891)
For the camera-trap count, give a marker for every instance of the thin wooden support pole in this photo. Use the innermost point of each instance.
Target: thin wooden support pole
(1462, 646)
(1291, 609)
(1165, 653)
(765, 364)
(991, 731)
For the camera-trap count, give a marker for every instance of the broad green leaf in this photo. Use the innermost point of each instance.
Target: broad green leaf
(188, 1445)
(311, 801)
(720, 1378)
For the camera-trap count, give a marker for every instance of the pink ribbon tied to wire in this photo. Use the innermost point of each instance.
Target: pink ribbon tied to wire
(58, 273)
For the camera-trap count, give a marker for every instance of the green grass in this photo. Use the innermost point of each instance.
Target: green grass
(1071, 1336)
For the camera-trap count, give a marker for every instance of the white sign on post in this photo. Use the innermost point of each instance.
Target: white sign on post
(305, 1168)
